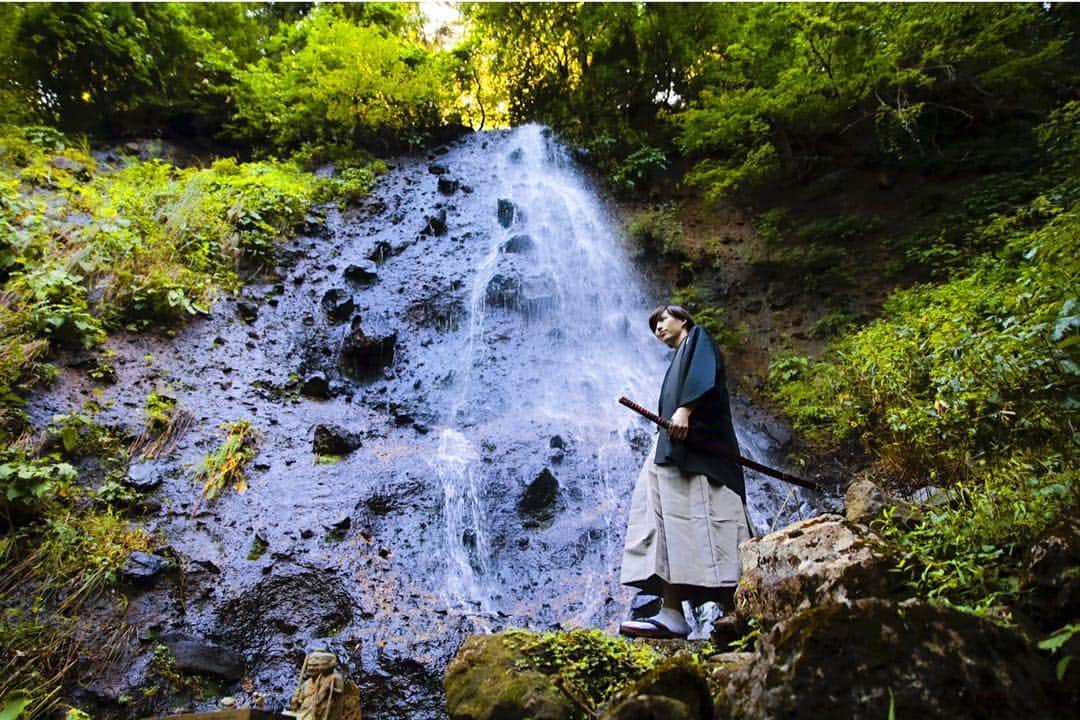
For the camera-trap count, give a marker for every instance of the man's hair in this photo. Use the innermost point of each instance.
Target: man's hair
(676, 311)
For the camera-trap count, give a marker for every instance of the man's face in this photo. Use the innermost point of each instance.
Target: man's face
(670, 330)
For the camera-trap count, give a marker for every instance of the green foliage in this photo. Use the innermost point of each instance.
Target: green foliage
(639, 170)
(227, 464)
(13, 704)
(147, 247)
(903, 84)
(969, 552)
(658, 231)
(958, 372)
(29, 483)
(595, 664)
(832, 324)
(710, 317)
(1058, 640)
(371, 88)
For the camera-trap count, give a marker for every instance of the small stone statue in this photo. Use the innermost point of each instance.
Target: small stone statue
(324, 694)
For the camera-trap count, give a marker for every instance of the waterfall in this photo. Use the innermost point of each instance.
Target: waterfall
(551, 343)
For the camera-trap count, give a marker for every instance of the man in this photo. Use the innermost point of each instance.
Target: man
(688, 515)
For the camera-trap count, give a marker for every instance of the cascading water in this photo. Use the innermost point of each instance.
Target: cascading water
(470, 324)
(548, 347)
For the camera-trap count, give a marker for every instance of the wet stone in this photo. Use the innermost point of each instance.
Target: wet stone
(503, 291)
(519, 244)
(334, 440)
(247, 311)
(316, 386)
(363, 357)
(363, 274)
(436, 224)
(338, 304)
(74, 167)
(447, 186)
(538, 500)
(142, 568)
(142, 476)
(438, 169)
(506, 212)
(193, 655)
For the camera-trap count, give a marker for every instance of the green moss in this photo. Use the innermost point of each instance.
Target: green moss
(595, 664)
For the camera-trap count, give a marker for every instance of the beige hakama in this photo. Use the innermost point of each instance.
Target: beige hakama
(683, 530)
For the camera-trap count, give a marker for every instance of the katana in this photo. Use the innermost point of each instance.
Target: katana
(734, 457)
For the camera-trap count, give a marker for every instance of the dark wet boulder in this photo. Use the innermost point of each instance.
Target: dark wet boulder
(503, 291)
(517, 155)
(143, 476)
(821, 560)
(538, 500)
(338, 305)
(674, 690)
(316, 604)
(519, 244)
(485, 681)
(380, 252)
(247, 311)
(447, 186)
(363, 274)
(436, 224)
(334, 440)
(316, 386)
(506, 212)
(143, 568)
(438, 169)
(920, 660)
(363, 357)
(193, 655)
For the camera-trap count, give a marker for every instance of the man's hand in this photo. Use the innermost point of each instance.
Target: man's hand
(680, 424)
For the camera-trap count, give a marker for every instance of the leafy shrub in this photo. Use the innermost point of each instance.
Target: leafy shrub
(958, 371)
(969, 552)
(638, 169)
(28, 484)
(226, 465)
(710, 317)
(832, 324)
(658, 231)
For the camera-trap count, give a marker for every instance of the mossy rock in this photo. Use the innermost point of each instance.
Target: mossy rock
(676, 689)
(922, 660)
(484, 682)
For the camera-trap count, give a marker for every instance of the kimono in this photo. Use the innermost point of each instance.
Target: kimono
(687, 515)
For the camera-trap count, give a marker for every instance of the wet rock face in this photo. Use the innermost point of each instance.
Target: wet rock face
(817, 561)
(334, 440)
(937, 662)
(538, 500)
(193, 655)
(306, 604)
(483, 682)
(363, 357)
